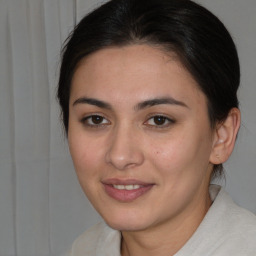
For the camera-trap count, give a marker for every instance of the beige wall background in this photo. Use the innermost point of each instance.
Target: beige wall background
(42, 206)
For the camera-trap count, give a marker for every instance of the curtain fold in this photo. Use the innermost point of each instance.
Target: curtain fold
(40, 197)
(7, 140)
(31, 35)
(31, 114)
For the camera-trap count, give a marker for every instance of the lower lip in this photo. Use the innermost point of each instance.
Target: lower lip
(126, 195)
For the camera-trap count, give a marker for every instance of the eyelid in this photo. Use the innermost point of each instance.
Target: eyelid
(85, 119)
(167, 118)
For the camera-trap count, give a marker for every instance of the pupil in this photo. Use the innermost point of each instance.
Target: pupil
(159, 120)
(97, 119)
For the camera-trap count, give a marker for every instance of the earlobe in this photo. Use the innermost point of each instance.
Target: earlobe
(225, 137)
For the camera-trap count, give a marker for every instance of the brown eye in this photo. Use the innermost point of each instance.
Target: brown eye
(159, 121)
(95, 120)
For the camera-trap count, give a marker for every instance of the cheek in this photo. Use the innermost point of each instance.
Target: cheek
(86, 160)
(181, 154)
(85, 155)
(169, 154)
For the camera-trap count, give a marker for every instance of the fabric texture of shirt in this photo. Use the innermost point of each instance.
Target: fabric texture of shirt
(226, 230)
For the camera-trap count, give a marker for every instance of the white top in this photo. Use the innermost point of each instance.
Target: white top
(226, 230)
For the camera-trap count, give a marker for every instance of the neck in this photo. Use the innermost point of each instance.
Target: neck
(167, 238)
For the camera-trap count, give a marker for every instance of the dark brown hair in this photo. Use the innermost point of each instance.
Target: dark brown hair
(198, 37)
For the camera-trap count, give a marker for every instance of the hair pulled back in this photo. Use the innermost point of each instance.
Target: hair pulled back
(195, 35)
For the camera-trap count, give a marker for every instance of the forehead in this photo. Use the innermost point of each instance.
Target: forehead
(133, 73)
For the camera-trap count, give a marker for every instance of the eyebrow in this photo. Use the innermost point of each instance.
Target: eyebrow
(94, 102)
(139, 106)
(160, 101)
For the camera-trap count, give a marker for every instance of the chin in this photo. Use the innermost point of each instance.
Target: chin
(128, 227)
(126, 222)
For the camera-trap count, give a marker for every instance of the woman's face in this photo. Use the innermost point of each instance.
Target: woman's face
(140, 137)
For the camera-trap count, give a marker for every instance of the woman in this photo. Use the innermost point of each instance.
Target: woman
(148, 91)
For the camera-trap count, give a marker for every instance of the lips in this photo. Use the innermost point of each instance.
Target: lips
(126, 190)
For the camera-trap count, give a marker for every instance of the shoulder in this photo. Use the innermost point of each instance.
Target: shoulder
(234, 227)
(86, 243)
(236, 218)
(240, 227)
(227, 229)
(97, 240)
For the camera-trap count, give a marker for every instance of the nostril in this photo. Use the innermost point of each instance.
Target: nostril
(123, 151)
(124, 158)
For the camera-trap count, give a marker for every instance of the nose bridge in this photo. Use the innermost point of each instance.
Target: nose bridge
(124, 148)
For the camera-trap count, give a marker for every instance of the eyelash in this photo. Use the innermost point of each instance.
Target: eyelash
(167, 122)
(88, 121)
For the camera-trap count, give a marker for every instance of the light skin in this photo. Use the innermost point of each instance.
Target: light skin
(137, 116)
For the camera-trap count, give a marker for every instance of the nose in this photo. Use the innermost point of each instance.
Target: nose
(124, 150)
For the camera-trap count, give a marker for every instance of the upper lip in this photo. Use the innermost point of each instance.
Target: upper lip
(115, 181)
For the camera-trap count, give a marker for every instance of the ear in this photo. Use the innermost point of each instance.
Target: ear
(225, 137)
